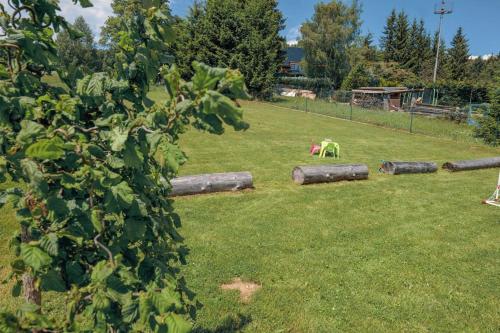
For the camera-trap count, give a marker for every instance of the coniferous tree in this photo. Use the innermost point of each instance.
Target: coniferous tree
(458, 56)
(388, 39)
(368, 51)
(414, 54)
(242, 35)
(327, 37)
(260, 51)
(442, 72)
(424, 50)
(81, 53)
(187, 46)
(402, 50)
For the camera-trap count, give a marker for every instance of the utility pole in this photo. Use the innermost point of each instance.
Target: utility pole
(441, 12)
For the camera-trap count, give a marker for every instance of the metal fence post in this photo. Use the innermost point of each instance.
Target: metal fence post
(350, 106)
(496, 134)
(411, 120)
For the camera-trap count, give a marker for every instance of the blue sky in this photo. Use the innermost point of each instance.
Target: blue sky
(479, 18)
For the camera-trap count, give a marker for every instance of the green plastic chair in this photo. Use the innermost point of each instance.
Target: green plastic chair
(330, 147)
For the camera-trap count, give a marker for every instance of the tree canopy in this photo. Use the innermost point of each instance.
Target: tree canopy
(327, 37)
(95, 221)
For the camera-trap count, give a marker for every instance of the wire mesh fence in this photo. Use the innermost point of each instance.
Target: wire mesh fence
(415, 113)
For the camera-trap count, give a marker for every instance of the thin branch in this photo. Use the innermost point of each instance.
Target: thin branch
(108, 252)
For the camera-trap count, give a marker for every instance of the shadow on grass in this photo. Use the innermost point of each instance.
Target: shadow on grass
(229, 325)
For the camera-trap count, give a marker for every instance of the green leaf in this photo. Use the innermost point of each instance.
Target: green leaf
(18, 266)
(75, 273)
(101, 272)
(177, 324)
(118, 138)
(165, 301)
(35, 176)
(115, 162)
(86, 3)
(169, 156)
(17, 288)
(29, 132)
(130, 312)
(145, 308)
(206, 77)
(57, 208)
(135, 229)
(34, 256)
(96, 219)
(47, 149)
(52, 281)
(123, 194)
(96, 151)
(50, 243)
(100, 301)
(132, 155)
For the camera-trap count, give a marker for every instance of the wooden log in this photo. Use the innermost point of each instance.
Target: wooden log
(484, 163)
(311, 174)
(210, 183)
(398, 168)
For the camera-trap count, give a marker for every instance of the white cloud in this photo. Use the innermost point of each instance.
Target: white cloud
(293, 35)
(484, 57)
(95, 16)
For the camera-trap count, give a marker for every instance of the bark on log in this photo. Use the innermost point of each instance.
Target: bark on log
(311, 174)
(484, 163)
(209, 183)
(398, 168)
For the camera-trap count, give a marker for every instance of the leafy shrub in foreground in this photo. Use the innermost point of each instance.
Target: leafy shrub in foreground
(95, 221)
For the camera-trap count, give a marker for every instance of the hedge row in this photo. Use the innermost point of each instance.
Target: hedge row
(314, 84)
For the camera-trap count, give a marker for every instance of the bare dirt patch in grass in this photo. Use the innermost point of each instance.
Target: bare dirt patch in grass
(246, 288)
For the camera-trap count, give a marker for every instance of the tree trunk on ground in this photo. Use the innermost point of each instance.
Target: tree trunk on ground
(484, 163)
(311, 174)
(210, 183)
(397, 168)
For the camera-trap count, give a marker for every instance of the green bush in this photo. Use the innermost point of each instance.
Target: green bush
(314, 84)
(488, 125)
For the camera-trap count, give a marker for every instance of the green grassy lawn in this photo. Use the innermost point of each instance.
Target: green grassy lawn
(393, 253)
(400, 120)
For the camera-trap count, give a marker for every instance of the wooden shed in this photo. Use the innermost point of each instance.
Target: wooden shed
(388, 98)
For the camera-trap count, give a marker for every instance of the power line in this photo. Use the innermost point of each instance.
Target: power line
(441, 11)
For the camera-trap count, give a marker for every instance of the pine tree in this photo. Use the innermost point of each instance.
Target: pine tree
(413, 46)
(442, 72)
(260, 52)
(402, 50)
(388, 39)
(187, 47)
(237, 34)
(80, 53)
(368, 51)
(458, 56)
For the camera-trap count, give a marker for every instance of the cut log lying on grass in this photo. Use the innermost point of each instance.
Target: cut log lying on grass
(311, 174)
(398, 168)
(484, 163)
(210, 183)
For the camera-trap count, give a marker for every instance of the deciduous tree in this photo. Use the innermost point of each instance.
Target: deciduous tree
(95, 221)
(327, 37)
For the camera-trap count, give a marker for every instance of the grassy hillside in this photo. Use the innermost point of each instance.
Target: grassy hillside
(393, 253)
